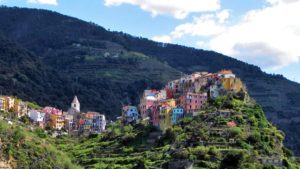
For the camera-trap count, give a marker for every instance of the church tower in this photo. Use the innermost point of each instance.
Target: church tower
(75, 104)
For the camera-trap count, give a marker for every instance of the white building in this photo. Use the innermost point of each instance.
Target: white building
(36, 116)
(102, 122)
(214, 91)
(2, 103)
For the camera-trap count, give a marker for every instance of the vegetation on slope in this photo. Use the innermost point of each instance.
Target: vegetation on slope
(23, 148)
(204, 141)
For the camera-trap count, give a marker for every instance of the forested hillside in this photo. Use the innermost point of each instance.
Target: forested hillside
(107, 69)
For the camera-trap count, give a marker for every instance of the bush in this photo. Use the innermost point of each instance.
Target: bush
(287, 152)
(235, 132)
(40, 133)
(18, 135)
(181, 154)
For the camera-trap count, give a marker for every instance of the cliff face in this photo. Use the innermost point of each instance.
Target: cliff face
(114, 68)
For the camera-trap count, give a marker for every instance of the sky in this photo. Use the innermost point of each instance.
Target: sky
(265, 33)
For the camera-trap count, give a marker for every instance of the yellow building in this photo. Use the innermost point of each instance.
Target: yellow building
(233, 84)
(6, 103)
(169, 102)
(166, 113)
(19, 107)
(57, 121)
(165, 118)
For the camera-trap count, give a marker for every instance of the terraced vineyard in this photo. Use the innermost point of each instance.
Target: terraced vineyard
(204, 141)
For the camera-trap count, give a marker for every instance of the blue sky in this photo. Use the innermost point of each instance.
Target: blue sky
(262, 32)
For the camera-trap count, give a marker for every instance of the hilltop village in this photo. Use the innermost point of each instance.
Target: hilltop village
(184, 97)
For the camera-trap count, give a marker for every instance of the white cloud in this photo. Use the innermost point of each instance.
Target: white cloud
(163, 39)
(223, 16)
(269, 37)
(177, 8)
(201, 44)
(47, 2)
(275, 2)
(205, 25)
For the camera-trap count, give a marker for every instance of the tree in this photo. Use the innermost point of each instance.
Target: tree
(233, 160)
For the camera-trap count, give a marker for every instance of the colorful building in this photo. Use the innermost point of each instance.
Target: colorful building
(154, 115)
(94, 122)
(130, 114)
(57, 121)
(165, 111)
(192, 102)
(54, 118)
(232, 84)
(177, 114)
(161, 95)
(148, 100)
(174, 86)
(20, 108)
(37, 117)
(69, 122)
(6, 103)
(165, 117)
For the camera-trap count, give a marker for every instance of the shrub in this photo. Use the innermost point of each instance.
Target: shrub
(181, 154)
(235, 132)
(40, 133)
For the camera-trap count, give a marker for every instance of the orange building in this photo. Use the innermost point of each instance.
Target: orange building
(57, 121)
(232, 84)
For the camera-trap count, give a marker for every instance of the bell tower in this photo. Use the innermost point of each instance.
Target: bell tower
(75, 104)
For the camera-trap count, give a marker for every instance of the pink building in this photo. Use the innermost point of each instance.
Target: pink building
(154, 115)
(192, 102)
(51, 110)
(149, 100)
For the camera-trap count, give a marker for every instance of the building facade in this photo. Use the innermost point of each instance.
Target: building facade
(192, 102)
(130, 114)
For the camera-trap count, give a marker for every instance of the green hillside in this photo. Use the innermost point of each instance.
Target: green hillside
(21, 147)
(204, 141)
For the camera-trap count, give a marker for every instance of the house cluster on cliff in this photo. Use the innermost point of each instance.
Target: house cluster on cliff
(72, 120)
(54, 118)
(182, 97)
